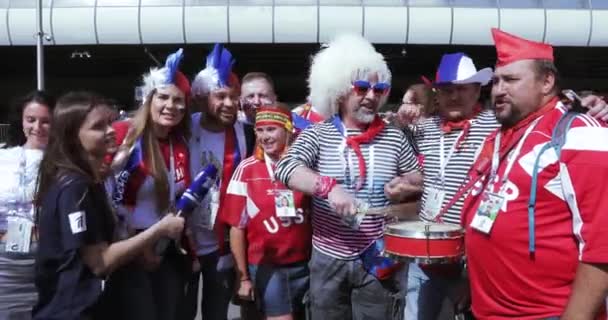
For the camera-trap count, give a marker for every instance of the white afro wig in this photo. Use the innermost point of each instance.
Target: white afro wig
(342, 61)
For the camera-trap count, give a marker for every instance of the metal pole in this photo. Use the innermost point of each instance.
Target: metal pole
(39, 48)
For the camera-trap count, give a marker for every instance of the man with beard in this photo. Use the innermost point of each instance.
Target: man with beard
(449, 143)
(342, 163)
(535, 218)
(218, 138)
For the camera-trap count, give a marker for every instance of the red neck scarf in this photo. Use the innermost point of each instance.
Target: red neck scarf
(449, 126)
(509, 135)
(464, 125)
(232, 158)
(365, 137)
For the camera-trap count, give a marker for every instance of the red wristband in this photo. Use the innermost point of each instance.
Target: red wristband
(323, 186)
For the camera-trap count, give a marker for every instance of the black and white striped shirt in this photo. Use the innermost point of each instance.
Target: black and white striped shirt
(427, 137)
(322, 149)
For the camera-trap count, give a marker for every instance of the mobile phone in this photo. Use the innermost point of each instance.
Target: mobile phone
(575, 101)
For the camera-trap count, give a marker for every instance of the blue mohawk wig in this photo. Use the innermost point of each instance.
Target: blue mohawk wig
(217, 71)
(158, 77)
(172, 64)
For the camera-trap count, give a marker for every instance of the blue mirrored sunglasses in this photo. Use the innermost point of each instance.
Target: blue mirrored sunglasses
(362, 87)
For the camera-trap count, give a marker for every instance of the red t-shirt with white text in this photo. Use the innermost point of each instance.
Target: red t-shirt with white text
(250, 205)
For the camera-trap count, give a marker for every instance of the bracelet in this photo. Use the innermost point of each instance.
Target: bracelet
(323, 186)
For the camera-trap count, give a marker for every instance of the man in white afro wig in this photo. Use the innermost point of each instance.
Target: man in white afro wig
(344, 164)
(344, 60)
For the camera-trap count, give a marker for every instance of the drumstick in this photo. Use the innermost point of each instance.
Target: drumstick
(406, 211)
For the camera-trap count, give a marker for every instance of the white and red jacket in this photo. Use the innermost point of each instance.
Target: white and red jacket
(507, 280)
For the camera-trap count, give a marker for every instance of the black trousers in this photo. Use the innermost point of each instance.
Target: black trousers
(218, 289)
(132, 293)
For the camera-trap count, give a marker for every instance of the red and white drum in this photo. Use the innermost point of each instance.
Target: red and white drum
(424, 242)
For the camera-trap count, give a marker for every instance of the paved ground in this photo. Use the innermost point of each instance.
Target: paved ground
(233, 312)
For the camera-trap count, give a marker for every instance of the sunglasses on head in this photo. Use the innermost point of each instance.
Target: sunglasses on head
(362, 87)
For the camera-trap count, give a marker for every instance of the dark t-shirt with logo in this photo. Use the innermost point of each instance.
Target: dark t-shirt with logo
(74, 213)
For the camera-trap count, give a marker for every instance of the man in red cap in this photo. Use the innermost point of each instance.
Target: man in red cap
(535, 230)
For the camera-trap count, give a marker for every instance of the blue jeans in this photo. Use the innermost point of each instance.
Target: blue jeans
(426, 292)
(280, 289)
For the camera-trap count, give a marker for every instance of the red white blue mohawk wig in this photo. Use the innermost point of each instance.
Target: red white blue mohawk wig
(167, 75)
(217, 73)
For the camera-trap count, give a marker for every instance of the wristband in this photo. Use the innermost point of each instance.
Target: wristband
(323, 186)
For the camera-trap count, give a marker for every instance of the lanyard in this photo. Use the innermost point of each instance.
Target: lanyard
(269, 164)
(510, 159)
(348, 165)
(22, 177)
(443, 161)
(345, 159)
(370, 175)
(171, 176)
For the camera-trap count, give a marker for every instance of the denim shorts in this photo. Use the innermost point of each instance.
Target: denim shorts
(280, 289)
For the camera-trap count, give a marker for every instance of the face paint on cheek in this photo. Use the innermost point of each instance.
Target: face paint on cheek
(181, 110)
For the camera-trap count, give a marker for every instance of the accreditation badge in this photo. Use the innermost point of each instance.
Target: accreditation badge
(487, 212)
(284, 204)
(18, 234)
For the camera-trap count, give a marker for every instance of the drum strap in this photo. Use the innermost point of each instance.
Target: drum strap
(480, 168)
(461, 192)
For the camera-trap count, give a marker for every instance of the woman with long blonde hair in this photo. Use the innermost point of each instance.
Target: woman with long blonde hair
(153, 164)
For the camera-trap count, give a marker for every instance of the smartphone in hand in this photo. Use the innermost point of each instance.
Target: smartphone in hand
(575, 101)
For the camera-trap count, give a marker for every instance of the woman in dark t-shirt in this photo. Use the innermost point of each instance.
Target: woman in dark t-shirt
(75, 221)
